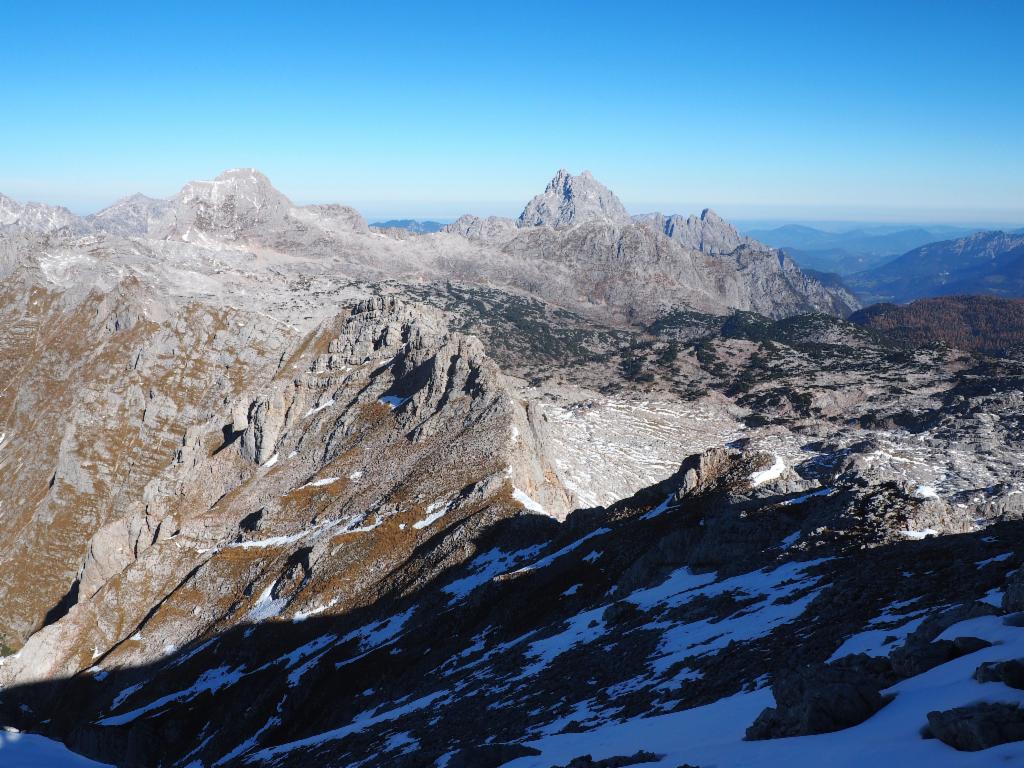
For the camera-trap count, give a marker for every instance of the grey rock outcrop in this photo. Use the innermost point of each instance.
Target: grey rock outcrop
(118, 544)
(575, 241)
(264, 422)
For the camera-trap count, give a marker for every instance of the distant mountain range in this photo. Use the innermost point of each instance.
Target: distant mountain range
(416, 226)
(989, 263)
(854, 250)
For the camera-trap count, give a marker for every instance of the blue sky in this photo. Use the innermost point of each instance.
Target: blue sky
(859, 110)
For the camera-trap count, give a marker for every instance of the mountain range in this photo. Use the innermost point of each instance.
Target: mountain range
(989, 263)
(851, 250)
(578, 488)
(574, 244)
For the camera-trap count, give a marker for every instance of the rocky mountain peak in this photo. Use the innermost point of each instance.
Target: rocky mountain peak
(130, 216)
(238, 200)
(9, 210)
(569, 200)
(246, 183)
(37, 217)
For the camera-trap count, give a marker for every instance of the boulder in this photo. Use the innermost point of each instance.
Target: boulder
(617, 761)
(490, 755)
(1009, 673)
(825, 698)
(916, 658)
(978, 726)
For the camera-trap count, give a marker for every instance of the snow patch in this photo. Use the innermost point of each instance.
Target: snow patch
(29, 750)
(485, 567)
(528, 503)
(318, 408)
(435, 512)
(548, 559)
(806, 496)
(319, 483)
(918, 535)
(774, 472)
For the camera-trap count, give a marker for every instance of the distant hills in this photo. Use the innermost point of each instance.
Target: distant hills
(978, 323)
(850, 251)
(415, 226)
(989, 263)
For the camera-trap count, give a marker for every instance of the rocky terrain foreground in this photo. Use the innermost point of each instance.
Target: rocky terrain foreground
(573, 489)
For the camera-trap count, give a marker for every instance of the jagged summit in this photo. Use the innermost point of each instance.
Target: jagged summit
(36, 217)
(709, 232)
(569, 200)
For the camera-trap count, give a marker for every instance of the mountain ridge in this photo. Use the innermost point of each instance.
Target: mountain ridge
(568, 243)
(990, 262)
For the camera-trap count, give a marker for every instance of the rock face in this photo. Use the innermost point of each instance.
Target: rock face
(708, 233)
(570, 200)
(237, 201)
(493, 229)
(1010, 673)
(299, 600)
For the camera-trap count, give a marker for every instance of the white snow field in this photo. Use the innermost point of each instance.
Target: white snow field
(27, 750)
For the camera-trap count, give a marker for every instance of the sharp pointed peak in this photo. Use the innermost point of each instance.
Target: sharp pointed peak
(572, 199)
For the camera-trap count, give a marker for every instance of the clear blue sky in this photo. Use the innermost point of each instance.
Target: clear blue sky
(911, 110)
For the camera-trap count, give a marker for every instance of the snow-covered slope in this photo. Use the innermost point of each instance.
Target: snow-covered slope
(28, 750)
(713, 734)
